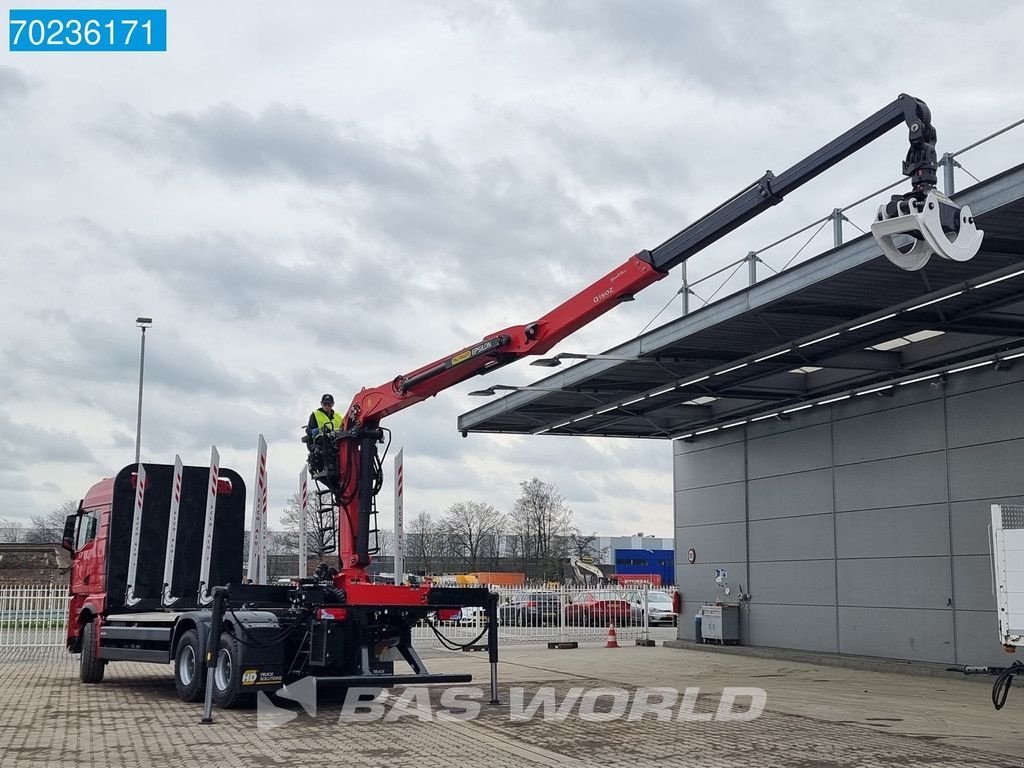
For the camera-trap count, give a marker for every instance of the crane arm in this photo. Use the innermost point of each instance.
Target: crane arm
(929, 218)
(505, 346)
(920, 166)
(369, 406)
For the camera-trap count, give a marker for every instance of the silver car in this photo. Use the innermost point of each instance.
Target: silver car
(659, 607)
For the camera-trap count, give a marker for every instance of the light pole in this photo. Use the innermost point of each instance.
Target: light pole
(143, 323)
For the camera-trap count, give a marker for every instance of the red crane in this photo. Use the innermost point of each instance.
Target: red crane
(356, 475)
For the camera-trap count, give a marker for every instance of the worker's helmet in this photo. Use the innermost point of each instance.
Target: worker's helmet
(327, 399)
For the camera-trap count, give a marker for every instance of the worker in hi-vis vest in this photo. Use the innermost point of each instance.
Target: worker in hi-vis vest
(321, 417)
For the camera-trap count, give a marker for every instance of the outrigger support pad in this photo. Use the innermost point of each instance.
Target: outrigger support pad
(909, 230)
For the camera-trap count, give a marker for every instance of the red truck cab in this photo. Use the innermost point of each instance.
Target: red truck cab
(85, 535)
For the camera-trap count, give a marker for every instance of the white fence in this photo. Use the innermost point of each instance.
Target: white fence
(33, 615)
(563, 614)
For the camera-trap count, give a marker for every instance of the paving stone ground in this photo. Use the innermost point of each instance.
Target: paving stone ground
(814, 717)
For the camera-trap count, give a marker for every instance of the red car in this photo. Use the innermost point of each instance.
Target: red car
(598, 609)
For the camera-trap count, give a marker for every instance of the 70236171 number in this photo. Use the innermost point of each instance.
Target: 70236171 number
(87, 30)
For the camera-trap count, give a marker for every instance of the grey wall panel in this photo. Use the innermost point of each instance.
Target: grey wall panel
(982, 379)
(895, 582)
(986, 416)
(807, 582)
(986, 471)
(904, 549)
(970, 521)
(902, 482)
(972, 583)
(977, 640)
(793, 423)
(709, 467)
(801, 493)
(685, 629)
(811, 628)
(897, 633)
(697, 582)
(725, 542)
(900, 532)
(795, 451)
(899, 432)
(716, 504)
(892, 400)
(792, 538)
(706, 442)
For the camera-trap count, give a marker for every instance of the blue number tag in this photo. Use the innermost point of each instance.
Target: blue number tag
(87, 30)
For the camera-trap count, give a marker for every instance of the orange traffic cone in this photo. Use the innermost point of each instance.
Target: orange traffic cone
(613, 640)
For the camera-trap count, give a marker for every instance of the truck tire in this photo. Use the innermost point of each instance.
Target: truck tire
(227, 675)
(189, 670)
(91, 666)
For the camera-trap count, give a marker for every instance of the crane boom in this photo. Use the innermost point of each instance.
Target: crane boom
(357, 476)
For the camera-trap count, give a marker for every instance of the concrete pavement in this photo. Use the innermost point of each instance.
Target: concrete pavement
(814, 716)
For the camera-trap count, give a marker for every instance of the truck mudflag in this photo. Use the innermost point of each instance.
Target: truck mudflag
(399, 518)
(133, 557)
(166, 598)
(205, 595)
(257, 567)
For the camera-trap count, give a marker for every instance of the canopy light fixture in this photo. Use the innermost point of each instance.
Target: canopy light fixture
(773, 354)
(996, 360)
(556, 360)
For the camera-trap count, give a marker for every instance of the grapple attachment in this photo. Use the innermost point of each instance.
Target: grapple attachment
(909, 230)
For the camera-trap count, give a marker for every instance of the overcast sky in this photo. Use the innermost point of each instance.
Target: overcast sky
(319, 196)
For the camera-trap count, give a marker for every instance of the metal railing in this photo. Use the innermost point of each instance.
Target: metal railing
(33, 615)
(949, 162)
(560, 615)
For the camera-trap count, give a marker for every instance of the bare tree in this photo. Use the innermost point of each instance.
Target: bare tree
(320, 527)
(423, 541)
(11, 531)
(48, 528)
(543, 521)
(385, 542)
(581, 544)
(513, 544)
(472, 528)
(281, 543)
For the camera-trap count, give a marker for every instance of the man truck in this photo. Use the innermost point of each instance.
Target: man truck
(338, 627)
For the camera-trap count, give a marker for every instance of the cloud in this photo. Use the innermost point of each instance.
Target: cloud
(279, 142)
(22, 445)
(14, 85)
(724, 52)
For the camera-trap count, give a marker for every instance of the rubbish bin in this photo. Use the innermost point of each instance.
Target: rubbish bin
(697, 636)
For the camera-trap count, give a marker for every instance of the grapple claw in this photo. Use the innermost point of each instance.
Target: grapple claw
(909, 231)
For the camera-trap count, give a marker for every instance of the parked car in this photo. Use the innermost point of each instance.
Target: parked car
(472, 614)
(659, 607)
(598, 609)
(530, 609)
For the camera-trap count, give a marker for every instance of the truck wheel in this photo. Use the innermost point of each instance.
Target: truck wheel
(91, 668)
(189, 670)
(227, 675)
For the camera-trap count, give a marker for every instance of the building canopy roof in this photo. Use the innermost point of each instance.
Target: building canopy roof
(846, 323)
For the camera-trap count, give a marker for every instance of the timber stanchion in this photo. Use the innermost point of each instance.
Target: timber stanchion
(220, 595)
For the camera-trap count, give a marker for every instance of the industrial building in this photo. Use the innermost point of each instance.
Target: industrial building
(839, 432)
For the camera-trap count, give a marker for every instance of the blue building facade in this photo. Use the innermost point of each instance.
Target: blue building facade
(646, 562)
